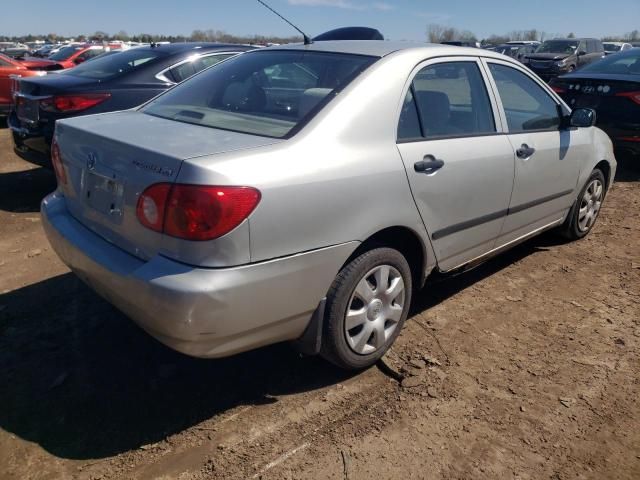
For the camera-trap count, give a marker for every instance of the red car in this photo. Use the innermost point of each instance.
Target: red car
(69, 57)
(10, 68)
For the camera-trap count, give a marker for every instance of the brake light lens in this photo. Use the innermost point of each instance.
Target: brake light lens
(633, 96)
(56, 160)
(558, 89)
(73, 103)
(195, 212)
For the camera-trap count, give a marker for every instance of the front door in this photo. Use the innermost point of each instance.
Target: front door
(460, 167)
(546, 156)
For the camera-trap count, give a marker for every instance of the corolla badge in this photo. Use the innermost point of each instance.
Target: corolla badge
(166, 171)
(91, 160)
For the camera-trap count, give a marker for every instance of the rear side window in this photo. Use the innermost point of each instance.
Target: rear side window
(526, 105)
(181, 72)
(447, 99)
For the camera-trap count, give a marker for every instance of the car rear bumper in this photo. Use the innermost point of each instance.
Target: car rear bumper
(31, 144)
(198, 311)
(625, 139)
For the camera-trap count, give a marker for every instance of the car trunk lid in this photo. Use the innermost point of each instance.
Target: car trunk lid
(110, 159)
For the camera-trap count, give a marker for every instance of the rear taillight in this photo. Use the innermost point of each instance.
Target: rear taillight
(56, 160)
(633, 96)
(195, 212)
(629, 139)
(73, 103)
(151, 205)
(558, 89)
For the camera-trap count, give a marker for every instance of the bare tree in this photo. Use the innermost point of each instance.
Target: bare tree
(435, 32)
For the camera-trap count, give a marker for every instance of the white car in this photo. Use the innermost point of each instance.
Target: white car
(615, 47)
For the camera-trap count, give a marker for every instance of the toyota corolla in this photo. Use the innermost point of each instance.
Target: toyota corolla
(305, 193)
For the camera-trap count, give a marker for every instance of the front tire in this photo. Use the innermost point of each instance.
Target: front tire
(366, 308)
(584, 212)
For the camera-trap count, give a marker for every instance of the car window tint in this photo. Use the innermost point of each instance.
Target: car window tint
(627, 63)
(409, 124)
(452, 99)
(266, 92)
(209, 60)
(108, 66)
(182, 72)
(526, 105)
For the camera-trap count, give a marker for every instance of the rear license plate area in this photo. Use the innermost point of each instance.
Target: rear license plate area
(104, 193)
(28, 111)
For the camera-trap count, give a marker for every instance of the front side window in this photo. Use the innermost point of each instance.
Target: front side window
(450, 99)
(267, 92)
(526, 105)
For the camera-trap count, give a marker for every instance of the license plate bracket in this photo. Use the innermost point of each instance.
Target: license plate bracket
(104, 193)
(28, 110)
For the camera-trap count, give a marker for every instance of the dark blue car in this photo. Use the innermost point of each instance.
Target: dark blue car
(114, 82)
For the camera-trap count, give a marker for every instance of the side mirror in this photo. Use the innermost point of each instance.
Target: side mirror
(582, 117)
(78, 61)
(581, 52)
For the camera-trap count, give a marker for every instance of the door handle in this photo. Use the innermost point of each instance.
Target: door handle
(428, 164)
(525, 151)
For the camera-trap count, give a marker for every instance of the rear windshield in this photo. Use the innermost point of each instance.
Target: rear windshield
(624, 63)
(108, 66)
(64, 53)
(558, 46)
(267, 93)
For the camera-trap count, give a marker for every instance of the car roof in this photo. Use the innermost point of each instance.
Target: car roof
(578, 39)
(173, 48)
(382, 48)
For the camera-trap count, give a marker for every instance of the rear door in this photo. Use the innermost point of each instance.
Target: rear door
(459, 165)
(547, 157)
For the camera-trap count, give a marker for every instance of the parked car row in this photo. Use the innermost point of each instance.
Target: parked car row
(107, 83)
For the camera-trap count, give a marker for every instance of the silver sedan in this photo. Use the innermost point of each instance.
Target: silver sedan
(304, 193)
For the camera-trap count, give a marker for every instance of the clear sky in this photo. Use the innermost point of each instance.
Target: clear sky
(398, 20)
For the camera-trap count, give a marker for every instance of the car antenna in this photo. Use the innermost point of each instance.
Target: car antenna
(307, 39)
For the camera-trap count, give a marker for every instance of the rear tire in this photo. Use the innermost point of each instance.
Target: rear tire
(366, 308)
(584, 212)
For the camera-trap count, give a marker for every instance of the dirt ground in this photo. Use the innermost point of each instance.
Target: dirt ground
(528, 367)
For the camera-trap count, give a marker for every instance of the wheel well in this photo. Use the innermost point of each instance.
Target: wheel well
(604, 166)
(405, 241)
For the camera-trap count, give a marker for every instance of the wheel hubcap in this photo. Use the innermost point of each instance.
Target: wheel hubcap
(374, 310)
(590, 205)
